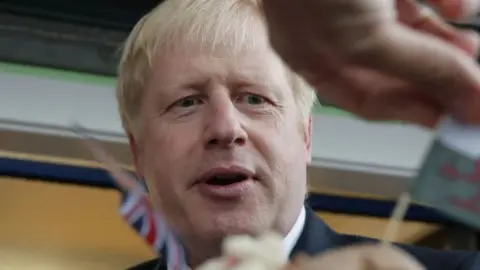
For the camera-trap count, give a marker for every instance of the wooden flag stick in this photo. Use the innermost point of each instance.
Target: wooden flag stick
(120, 177)
(396, 219)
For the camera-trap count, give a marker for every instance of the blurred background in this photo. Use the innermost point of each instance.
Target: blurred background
(58, 210)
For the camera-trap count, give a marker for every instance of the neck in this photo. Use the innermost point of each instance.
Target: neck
(199, 252)
(202, 250)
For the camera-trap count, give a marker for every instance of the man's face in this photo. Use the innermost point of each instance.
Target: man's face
(222, 147)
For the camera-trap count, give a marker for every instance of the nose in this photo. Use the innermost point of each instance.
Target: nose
(224, 128)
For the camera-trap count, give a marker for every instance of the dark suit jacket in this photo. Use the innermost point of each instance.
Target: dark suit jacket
(317, 237)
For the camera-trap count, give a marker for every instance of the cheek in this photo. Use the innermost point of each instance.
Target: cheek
(291, 148)
(156, 164)
(280, 143)
(161, 169)
(168, 152)
(282, 134)
(288, 146)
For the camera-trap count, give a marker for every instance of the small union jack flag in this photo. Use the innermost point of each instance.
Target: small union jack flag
(137, 210)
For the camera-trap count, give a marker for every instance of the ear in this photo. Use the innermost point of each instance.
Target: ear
(308, 139)
(136, 155)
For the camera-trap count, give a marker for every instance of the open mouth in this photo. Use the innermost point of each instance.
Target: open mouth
(230, 183)
(225, 179)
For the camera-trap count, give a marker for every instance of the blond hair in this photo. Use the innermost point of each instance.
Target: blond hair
(231, 24)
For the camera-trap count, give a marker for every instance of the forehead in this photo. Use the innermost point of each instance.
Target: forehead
(257, 64)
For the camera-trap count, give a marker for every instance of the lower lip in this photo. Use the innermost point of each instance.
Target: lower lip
(232, 191)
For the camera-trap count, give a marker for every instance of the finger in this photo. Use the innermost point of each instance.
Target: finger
(387, 257)
(471, 42)
(123, 179)
(467, 108)
(333, 90)
(423, 60)
(456, 9)
(382, 98)
(388, 98)
(377, 98)
(408, 106)
(301, 262)
(412, 13)
(424, 19)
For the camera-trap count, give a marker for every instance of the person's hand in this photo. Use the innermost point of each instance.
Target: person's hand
(361, 257)
(244, 252)
(382, 59)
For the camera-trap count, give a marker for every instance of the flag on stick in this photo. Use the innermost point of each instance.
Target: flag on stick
(449, 178)
(136, 208)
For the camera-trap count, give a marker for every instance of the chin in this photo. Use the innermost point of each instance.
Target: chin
(218, 217)
(234, 222)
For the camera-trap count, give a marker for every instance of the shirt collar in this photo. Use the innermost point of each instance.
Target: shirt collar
(292, 237)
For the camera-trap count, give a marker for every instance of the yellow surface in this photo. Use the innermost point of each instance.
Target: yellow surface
(375, 227)
(94, 164)
(52, 226)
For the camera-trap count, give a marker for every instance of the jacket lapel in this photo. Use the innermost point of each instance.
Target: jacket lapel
(316, 236)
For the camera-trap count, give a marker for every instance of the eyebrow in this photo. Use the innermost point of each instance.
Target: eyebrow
(245, 74)
(273, 90)
(238, 76)
(188, 82)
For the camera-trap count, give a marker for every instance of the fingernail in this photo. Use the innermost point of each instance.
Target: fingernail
(453, 9)
(470, 42)
(458, 110)
(470, 7)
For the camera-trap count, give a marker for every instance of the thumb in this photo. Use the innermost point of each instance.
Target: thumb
(413, 56)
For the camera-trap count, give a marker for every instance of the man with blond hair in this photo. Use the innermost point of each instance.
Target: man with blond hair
(220, 130)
